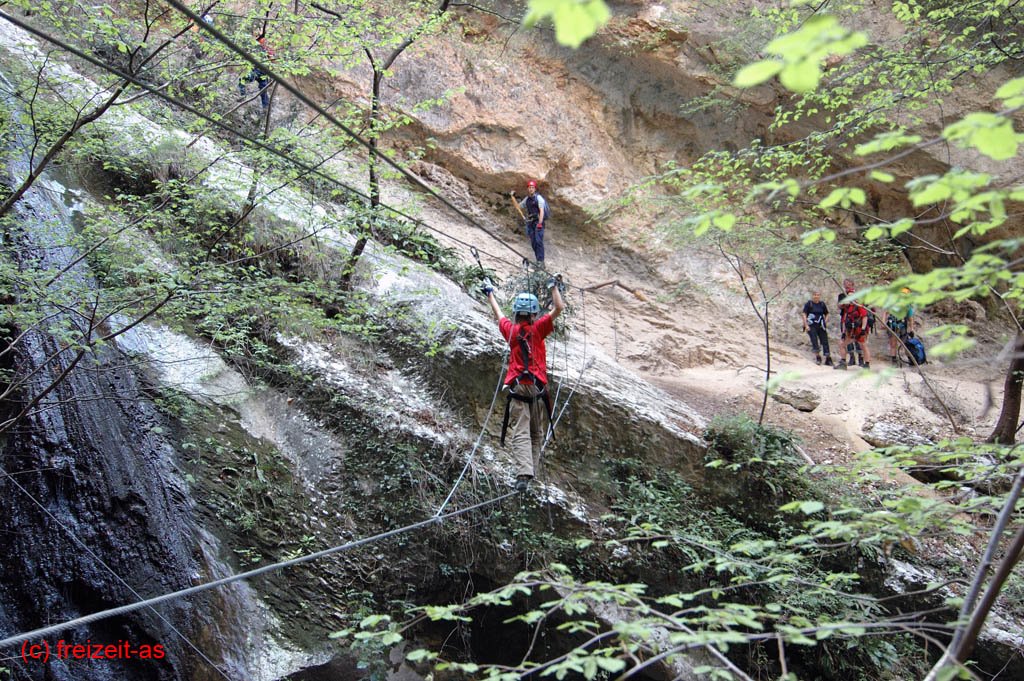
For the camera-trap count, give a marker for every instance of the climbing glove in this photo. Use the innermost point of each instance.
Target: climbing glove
(555, 280)
(487, 288)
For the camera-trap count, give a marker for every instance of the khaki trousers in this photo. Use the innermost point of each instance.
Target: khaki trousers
(527, 425)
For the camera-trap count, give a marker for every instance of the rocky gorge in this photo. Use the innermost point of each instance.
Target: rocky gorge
(266, 414)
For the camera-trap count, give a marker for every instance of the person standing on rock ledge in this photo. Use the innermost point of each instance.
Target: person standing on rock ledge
(527, 377)
(535, 217)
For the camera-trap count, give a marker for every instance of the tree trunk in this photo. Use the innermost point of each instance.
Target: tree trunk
(1006, 428)
(365, 230)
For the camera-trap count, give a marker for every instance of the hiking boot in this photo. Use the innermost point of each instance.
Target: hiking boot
(817, 359)
(840, 365)
(523, 482)
(828, 360)
(860, 360)
(894, 360)
(866, 365)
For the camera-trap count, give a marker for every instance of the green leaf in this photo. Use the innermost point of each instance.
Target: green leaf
(757, 73)
(952, 347)
(420, 655)
(844, 196)
(1012, 92)
(886, 142)
(934, 192)
(390, 638)
(724, 221)
(814, 235)
(874, 232)
(575, 20)
(881, 176)
(373, 620)
(612, 665)
(810, 507)
(801, 76)
(900, 226)
(989, 133)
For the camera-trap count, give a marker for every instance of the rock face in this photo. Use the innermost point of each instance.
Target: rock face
(583, 122)
(92, 505)
(801, 399)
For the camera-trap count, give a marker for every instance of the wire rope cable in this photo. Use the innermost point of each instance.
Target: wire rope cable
(579, 379)
(273, 567)
(156, 91)
(302, 97)
(558, 390)
(479, 437)
(312, 169)
(111, 570)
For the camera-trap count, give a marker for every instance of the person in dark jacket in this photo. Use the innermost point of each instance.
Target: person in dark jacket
(534, 209)
(815, 316)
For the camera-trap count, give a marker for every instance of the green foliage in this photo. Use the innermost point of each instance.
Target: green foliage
(575, 20)
(801, 54)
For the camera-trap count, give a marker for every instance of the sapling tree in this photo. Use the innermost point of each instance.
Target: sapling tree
(382, 43)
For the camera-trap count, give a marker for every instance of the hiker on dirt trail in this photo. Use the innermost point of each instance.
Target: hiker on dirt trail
(853, 324)
(535, 217)
(527, 376)
(815, 316)
(199, 38)
(900, 323)
(266, 53)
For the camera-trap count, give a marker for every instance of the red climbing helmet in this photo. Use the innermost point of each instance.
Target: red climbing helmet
(532, 183)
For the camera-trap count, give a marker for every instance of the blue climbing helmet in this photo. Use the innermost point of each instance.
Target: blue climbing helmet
(525, 303)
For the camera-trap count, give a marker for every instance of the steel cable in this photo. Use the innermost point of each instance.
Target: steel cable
(124, 609)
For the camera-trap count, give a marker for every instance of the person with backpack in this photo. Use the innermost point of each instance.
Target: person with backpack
(255, 74)
(815, 315)
(853, 324)
(535, 217)
(527, 376)
(901, 326)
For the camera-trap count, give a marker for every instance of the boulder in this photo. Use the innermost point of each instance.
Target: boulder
(888, 434)
(801, 399)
